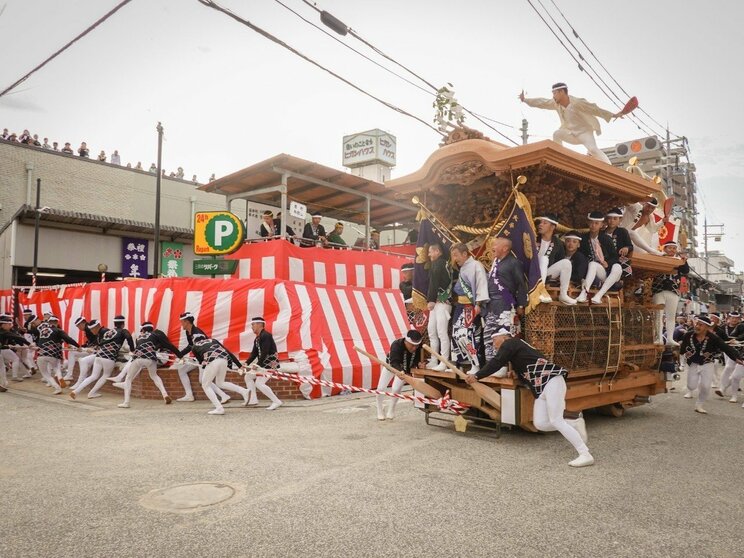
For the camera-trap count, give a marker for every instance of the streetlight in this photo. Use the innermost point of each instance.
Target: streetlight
(156, 265)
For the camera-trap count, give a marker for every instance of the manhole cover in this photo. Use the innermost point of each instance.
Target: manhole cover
(187, 498)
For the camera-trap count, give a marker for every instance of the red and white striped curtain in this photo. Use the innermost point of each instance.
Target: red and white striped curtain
(280, 259)
(323, 321)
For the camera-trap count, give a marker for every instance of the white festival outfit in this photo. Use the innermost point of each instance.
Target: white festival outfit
(645, 238)
(578, 122)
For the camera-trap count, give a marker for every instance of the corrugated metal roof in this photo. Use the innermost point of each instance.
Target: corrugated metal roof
(52, 215)
(386, 207)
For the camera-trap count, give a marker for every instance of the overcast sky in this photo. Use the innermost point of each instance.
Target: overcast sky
(229, 98)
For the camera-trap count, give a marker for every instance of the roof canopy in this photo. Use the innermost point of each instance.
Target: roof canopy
(98, 223)
(331, 192)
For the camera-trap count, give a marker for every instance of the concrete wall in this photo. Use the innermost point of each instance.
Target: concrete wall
(88, 186)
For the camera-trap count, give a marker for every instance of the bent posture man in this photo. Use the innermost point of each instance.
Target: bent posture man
(547, 382)
(404, 355)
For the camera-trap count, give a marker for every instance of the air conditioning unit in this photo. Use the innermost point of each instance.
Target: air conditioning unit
(644, 147)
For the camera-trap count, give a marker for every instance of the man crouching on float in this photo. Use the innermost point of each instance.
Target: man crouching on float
(547, 383)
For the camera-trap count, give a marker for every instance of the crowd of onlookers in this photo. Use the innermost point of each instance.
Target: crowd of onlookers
(84, 151)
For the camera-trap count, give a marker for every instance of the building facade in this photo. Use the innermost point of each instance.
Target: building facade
(87, 208)
(670, 162)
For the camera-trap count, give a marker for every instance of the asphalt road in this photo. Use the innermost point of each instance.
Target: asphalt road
(326, 479)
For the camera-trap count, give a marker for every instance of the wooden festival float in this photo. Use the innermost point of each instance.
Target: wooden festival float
(609, 349)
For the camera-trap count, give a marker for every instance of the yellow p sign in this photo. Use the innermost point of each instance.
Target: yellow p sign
(217, 233)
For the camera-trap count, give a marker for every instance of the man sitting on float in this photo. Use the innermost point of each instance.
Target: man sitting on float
(603, 260)
(639, 220)
(553, 261)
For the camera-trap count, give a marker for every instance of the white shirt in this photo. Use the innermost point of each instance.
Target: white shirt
(579, 116)
(115, 159)
(544, 245)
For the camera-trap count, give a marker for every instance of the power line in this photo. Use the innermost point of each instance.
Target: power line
(274, 39)
(574, 57)
(376, 63)
(68, 45)
(621, 102)
(602, 65)
(475, 115)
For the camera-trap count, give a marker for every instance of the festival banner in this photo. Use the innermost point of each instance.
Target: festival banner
(134, 258)
(428, 235)
(171, 259)
(520, 229)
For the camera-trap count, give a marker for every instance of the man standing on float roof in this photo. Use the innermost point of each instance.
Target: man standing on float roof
(578, 119)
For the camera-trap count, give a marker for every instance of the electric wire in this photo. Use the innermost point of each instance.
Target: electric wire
(68, 45)
(603, 66)
(475, 115)
(648, 129)
(274, 39)
(578, 62)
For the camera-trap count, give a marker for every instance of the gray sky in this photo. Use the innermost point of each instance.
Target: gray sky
(229, 98)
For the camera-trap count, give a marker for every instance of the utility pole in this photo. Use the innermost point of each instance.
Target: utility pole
(523, 129)
(156, 264)
(37, 215)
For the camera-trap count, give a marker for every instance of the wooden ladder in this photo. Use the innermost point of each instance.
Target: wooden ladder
(614, 336)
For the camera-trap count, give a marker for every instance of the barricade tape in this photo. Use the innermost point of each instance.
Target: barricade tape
(444, 403)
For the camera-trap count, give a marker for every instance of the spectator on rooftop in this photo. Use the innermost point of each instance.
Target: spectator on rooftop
(102, 156)
(139, 166)
(179, 172)
(212, 178)
(153, 169)
(83, 150)
(6, 134)
(25, 136)
(68, 148)
(129, 165)
(115, 159)
(193, 179)
(55, 146)
(35, 141)
(46, 145)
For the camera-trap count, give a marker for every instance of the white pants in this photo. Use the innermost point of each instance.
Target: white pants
(559, 270)
(728, 370)
(670, 300)
(700, 377)
(643, 241)
(736, 377)
(382, 385)
(438, 327)
(27, 357)
(73, 357)
(214, 375)
(47, 366)
(3, 375)
(12, 360)
(597, 271)
(132, 370)
(183, 375)
(85, 362)
(253, 383)
(582, 138)
(102, 368)
(547, 413)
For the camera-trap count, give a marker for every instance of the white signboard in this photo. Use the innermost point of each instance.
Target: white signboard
(373, 146)
(297, 209)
